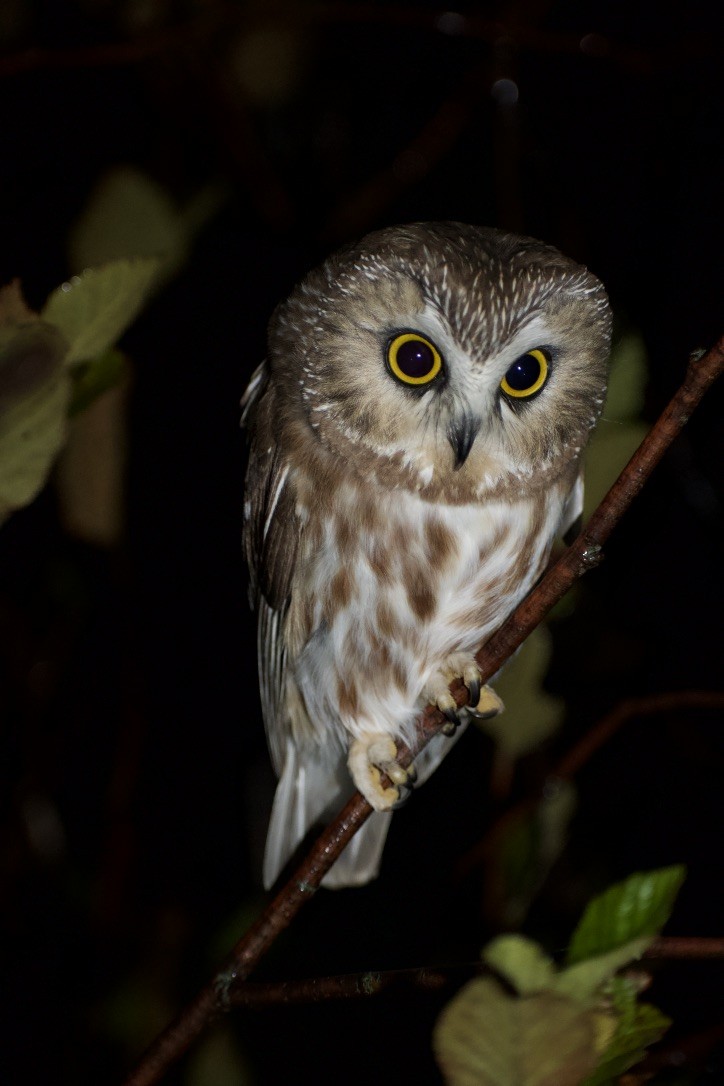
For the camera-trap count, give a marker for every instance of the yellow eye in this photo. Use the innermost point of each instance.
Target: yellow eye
(527, 375)
(413, 359)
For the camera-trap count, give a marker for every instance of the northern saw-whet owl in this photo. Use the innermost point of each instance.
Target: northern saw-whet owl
(416, 440)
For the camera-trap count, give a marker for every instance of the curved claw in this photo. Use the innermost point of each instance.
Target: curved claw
(474, 691)
(404, 798)
(453, 722)
(404, 787)
(489, 704)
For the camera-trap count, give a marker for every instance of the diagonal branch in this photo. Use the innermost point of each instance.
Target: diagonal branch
(584, 553)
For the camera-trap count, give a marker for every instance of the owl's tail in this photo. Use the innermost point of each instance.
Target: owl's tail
(310, 792)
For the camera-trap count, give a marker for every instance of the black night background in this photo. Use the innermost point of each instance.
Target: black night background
(134, 777)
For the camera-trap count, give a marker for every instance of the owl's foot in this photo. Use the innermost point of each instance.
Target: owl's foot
(484, 702)
(369, 758)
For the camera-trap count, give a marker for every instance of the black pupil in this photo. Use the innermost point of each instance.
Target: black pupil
(523, 373)
(414, 358)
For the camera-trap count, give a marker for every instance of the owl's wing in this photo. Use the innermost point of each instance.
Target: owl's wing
(312, 787)
(270, 539)
(271, 525)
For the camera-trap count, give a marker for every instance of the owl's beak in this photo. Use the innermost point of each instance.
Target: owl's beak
(461, 435)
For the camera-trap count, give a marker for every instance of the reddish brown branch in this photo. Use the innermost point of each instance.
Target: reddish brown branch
(688, 949)
(582, 555)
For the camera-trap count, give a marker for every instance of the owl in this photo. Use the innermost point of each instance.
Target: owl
(416, 435)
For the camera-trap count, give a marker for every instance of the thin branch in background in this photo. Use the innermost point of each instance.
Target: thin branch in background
(227, 17)
(365, 985)
(413, 162)
(585, 553)
(686, 949)
(581, 753)
(348, 986)
(572, 762)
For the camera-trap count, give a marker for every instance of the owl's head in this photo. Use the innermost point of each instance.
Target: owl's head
(448, 358)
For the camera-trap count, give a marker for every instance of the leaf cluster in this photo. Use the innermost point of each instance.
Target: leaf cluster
(575, 1025)
(53, 363)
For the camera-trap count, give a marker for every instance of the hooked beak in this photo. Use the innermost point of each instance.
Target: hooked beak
(461, 435)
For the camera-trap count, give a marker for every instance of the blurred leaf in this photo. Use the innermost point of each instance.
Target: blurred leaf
(34, 393)
(638, 906)
(583, 981)
(611, 447)
(136, 1010)
(487, 1038)
(531, 714)
(523, 963)
(129, 214)
(13, 308)
(627, 378)
(638, 1025)
(217, 1061)
(91, 468)
(267, 62)
(233, 927)
(619, 432)
(554, 813)
(524, 854)
(91, 379)
(95, 308)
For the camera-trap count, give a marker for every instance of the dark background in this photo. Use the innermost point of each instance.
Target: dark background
(133, 771)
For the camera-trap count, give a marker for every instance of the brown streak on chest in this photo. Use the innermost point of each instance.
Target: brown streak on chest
(339, 594)
(379, 560)
(385, 620)
(418, 588)
(439, 541)
(347, 697)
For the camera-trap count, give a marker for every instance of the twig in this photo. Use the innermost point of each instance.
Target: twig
(688, 949)
(572, 762)
(585, 553)
(414, 161)
(348, 985)
(365, 985)
(581, 752)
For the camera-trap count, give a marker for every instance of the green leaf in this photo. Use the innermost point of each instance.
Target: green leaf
(92, 379)
(487, 1038)
(638, 1025)
(34, 393)
(523, 963)
(93, 309)
(640, 905)
(583, 981)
